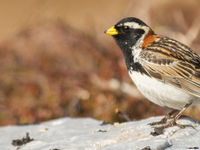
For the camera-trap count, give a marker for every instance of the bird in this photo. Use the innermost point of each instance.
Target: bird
(165, 71)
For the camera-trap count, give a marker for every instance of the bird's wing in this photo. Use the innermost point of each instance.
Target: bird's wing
(174, 68)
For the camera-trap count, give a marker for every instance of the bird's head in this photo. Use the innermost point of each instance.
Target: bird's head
(129, 32)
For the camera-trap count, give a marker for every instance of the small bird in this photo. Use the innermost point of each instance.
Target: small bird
(164, 70)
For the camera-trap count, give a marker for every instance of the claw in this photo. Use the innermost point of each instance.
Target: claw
(162, 121)
(160, 130)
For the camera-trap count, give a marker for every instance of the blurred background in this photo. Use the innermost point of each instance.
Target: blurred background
(56, 61)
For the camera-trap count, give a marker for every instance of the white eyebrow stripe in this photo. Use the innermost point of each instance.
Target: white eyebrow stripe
(133, 25)
(136, 26)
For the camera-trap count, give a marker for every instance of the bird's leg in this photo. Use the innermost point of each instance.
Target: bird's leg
(173, 122)
(164, 119)
(159, 130)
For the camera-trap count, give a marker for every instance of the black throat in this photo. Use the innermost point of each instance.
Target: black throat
(126, 47)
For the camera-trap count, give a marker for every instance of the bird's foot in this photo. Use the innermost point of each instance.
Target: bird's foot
(162, 121)
(160, 130)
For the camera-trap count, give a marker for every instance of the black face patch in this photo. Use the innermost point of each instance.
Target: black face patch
(137, 34)
(139, 31)
(123, 29)
(128, 36)
(126, 39)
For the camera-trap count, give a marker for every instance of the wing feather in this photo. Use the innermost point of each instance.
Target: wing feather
(181, 73)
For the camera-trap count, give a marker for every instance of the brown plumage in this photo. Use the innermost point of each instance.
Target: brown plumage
(172, 62)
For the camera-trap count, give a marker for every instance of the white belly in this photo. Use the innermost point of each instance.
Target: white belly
(161, 93)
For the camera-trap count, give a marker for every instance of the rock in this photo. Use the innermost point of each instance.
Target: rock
(89, 134)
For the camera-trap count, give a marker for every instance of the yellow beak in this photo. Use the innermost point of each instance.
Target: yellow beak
(111, 31)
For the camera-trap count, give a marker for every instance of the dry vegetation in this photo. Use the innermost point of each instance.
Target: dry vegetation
(50, 70)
